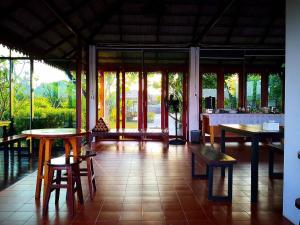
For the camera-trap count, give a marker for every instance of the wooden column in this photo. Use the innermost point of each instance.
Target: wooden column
(140, 101)
(185, 106)
(145, 99)
(118, 100)
(220, 88)
(164, 115)
(264, 89)
(101, 94)
(78, 88)
(242, 88)
(123, 99)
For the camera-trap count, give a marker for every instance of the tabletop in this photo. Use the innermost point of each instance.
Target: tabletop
(55, 132)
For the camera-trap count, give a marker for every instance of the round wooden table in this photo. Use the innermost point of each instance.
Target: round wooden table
(46, 137)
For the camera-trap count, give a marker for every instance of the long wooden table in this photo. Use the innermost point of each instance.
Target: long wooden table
(256, 133)
(46, 137)
(211, 122)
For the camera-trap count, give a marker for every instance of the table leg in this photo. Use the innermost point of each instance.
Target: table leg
(73, 143)
(254, 168)
(48, 145)
(67, 147)
(39, 177)
(223, 150)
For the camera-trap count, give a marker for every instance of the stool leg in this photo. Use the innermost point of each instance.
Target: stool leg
(93, 174)
(70, 191)
(89, 176)
(230, 171)
(210, 182)
(58, 181)
(78, 183)
(48, 190)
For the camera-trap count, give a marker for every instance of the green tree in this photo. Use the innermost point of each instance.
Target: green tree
(4, 89)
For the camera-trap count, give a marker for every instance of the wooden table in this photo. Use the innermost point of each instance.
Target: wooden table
(256, 133)
(46, 137)
(4, 124)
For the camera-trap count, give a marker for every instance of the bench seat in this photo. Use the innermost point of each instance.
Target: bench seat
(7, 144)
(213, 158)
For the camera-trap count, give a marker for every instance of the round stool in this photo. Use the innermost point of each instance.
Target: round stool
(73, 183)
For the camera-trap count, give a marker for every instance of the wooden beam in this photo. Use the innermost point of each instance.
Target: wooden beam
(212, 23)
(102, 18)
(196, 22)
(62, 19)
(51, 25)
(234, 23)
(12, 8)
(38, 16)
(276, 12)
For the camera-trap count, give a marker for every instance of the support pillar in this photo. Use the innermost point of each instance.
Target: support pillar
(291, 189)
(92, 97)
(194, 111)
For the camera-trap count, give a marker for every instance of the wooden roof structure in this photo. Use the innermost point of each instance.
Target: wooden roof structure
(57, 28)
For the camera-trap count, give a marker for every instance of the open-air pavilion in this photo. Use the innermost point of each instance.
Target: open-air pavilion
(144, 87)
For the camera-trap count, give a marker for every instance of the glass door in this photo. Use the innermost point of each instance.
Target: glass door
(154, 93)
(131, 99)
(175, 86)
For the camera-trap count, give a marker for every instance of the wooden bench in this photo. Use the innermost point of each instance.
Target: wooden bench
(213, 158)
(132, 134)
(274, 149)
(7, 144)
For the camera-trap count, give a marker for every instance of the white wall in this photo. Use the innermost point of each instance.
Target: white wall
(292, 110)
(194, 90)
(92, 86)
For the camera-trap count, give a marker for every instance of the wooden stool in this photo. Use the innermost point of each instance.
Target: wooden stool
(71, 165)
(86, 154)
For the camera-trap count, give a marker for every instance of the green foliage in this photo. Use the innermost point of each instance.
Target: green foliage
(275, 90)
(4, 89)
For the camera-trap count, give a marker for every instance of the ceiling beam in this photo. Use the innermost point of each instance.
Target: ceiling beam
(102, 19)
(120, 26)
(62, 19)
(51, 25)
(212, 23)
(276, 12)
(12, 8)
(234, 23)
(196, 22)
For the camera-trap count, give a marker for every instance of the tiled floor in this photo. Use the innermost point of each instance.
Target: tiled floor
(150, 186)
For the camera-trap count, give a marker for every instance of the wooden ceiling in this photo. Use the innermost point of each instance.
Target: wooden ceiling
(56, 28)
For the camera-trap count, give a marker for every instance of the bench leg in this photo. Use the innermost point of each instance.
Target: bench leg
(272, 174)
(194, 175)
(210, 185)
(210, 182)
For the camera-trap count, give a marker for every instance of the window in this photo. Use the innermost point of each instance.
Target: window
(275, 92)
(154, 80)
(54, 97)
(176, 89)
(231, 90)
(131, 99)
(4, 90)
(20, 94)
(209, 87)
(254, 91)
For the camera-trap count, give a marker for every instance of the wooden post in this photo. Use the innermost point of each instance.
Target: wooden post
(264, 89)
(78, 88)
(220, 88)
(140, 101)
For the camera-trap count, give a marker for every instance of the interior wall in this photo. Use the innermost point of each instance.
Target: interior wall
(292, 109)
(193, 90)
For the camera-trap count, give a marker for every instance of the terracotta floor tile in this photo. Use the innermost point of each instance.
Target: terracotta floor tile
(147, 186)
